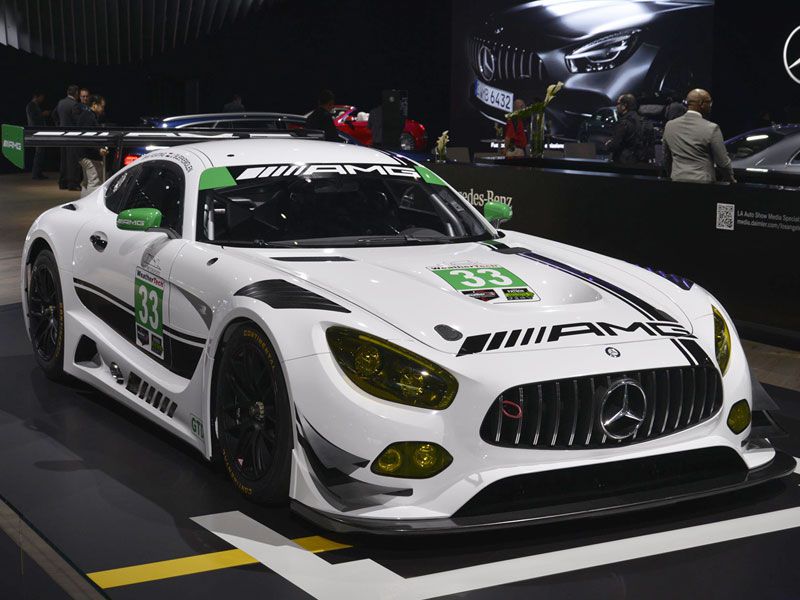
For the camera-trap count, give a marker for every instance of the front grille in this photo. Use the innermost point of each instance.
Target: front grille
(564, 414)
(509, 62)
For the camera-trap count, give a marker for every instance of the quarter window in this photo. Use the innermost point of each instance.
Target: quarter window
(155, 184)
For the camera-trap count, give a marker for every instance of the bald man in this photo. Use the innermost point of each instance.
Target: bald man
(693, 146)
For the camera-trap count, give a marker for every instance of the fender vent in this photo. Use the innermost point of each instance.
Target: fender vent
(145, 391)
(278, 293)
(86, 354)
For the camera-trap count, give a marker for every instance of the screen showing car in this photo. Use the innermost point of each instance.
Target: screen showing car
(511, 50)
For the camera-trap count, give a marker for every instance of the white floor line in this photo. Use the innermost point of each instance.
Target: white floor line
(367, 579)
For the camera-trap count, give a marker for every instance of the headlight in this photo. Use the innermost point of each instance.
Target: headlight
(604, 53)
(722, 341)
(390, 372)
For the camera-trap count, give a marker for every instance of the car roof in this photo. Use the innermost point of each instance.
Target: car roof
(231, 116)
(291, 150)
(786, 129)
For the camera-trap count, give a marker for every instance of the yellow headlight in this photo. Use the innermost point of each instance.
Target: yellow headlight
(390, 372)
(413, 460)
(722, 341)
(739, 417)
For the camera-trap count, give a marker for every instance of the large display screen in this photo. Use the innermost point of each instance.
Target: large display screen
(507, 50)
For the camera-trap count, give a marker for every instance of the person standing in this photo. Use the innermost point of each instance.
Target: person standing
(235, 105)
(627, 139)
(375, 125)
(321, 119)
(694, 145)
(37, 118)
(674, 110)
(515, 140)
(90, 159)
(69, 169)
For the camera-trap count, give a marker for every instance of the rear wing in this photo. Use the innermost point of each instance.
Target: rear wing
(17, 139)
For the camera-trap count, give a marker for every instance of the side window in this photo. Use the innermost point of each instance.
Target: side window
(158, 185)
(117, 190)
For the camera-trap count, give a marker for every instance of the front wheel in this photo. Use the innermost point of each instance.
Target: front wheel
(46, 315)
(252, 418)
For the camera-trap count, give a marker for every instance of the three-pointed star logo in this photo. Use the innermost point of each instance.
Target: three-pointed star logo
(791, 55)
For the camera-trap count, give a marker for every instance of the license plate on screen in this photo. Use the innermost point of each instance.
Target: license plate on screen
(494, 97)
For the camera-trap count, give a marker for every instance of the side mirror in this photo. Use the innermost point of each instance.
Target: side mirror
(139, 219)
(497, 213)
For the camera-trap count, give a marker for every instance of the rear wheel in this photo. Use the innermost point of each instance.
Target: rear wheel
(46, 315)
(252, 418)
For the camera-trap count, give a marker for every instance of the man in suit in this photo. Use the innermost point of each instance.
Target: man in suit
(64, 116)
(693, 145)
(37, 118)
(91, 160)
(626, 141)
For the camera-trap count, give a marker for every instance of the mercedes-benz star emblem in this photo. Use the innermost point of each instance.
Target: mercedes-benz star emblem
(613, 352)
(622, 409)
(486, 63)
(791, 55)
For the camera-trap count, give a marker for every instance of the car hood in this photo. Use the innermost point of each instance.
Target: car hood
(570, 292)
(549, 24)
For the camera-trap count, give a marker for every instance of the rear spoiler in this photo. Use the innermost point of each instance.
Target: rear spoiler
(16, 139)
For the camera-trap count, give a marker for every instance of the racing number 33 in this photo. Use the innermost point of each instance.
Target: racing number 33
(470, 278)
(149, 313)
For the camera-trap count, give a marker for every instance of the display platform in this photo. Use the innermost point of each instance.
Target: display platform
(139, 515)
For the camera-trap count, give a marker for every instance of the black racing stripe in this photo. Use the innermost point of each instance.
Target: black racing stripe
(696, 351)
(512, 339)
(683, 351)
(312, 258)
(646, 309)
(102, 292)
(183, 336)
(497, 340)
(474, 344)
(179, 357)
(540, 335)
(281, 294)
(527, 337)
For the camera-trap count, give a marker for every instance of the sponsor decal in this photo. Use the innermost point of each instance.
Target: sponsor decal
(549, 334)
(197, 428)
(480, 281)
(307, 170)
(485, 295)
(13, 146)
(481, 198)
(131, 222)
(149, 311)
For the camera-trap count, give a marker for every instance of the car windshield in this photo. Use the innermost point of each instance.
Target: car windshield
(749, 144)
(336, 209)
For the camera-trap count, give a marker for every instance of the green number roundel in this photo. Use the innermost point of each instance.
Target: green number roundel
(148, 291)
(474, 278)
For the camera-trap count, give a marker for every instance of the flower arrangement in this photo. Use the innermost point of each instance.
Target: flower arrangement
(441, 145)
(535, 112)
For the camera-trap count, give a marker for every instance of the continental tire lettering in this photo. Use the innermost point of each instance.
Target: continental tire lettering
(559, 331)
(256, 337)
(612, 329)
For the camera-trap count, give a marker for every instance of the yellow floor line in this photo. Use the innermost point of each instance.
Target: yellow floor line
(201, 563)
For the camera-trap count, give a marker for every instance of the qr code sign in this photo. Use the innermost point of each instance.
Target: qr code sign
(726, 214)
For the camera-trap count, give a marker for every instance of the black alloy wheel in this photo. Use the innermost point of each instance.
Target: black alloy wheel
(45, 306)
(252, 417)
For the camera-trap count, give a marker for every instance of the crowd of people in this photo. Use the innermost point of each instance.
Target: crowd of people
(80, 169)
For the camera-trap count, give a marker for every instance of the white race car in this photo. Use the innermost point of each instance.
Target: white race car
(344, 331)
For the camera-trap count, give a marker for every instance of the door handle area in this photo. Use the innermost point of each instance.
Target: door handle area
(98, 241)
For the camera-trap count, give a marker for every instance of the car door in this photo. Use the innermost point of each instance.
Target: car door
(123, 276)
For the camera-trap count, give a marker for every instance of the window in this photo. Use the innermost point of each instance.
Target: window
(251, 124)
(117, 189)
(745, 146)
(332, 210)
(154, 184)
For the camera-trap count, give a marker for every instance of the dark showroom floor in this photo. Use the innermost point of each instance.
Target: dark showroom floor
(99, 503)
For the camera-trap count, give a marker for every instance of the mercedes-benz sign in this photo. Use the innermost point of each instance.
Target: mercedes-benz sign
(486, 62)
(791, 55)
(622, 409)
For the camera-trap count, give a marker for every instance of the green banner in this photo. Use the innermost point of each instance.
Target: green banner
(14, 144)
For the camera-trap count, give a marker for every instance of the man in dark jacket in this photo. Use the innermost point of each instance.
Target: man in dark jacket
(69, 173)
(91, 160)
(321, 117)
(234, 106)
(37, 118)
(626, 141)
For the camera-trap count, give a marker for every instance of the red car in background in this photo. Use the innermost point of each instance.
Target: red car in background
(348, 119)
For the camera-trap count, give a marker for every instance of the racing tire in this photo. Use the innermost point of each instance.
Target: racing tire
(45, 305)
(252, 421)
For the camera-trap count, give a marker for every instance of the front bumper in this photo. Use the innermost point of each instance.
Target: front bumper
(601, 490)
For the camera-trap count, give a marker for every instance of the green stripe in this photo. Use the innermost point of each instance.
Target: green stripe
(429, 176)
(216, 177)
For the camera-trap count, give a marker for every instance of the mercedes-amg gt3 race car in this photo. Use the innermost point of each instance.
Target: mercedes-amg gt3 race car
(343, 330)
